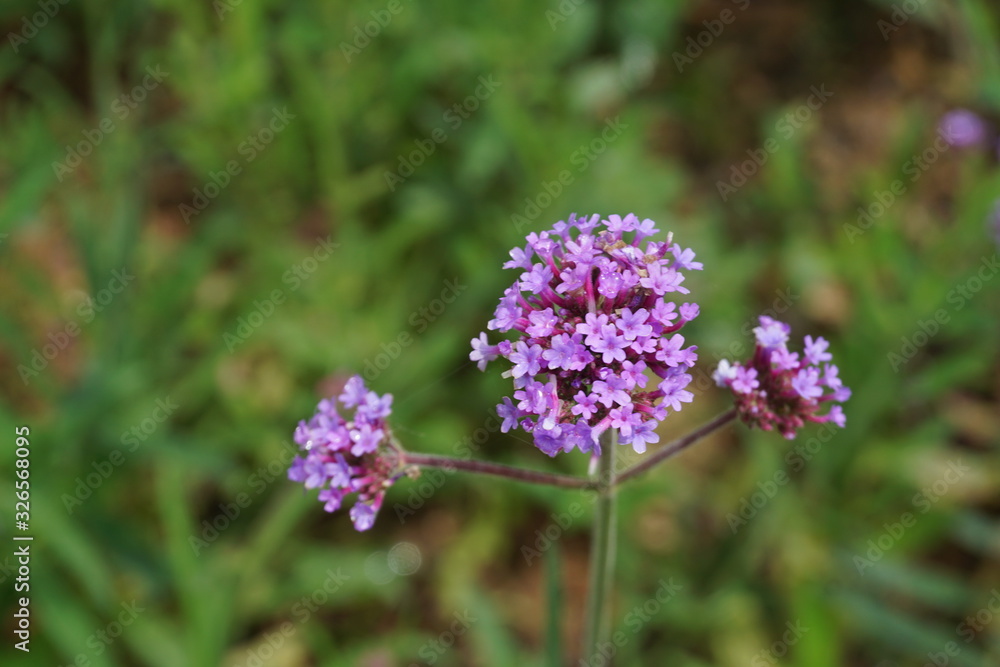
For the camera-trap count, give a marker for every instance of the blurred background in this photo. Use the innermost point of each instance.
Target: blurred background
(212, 213)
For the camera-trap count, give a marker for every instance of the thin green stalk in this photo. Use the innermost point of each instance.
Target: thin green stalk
(597, 622)
(554, 601)
(495, 469)
(605, 479)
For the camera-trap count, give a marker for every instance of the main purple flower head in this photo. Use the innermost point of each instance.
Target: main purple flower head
(592, 315)
(778, 390)
(348, 455)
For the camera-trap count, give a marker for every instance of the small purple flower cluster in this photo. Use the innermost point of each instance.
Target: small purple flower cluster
(592, 316)
(962, 128)
(778, 390)
(344, 456)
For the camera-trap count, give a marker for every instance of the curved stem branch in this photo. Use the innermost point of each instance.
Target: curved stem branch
(568, 481)
(677, 446)
(497, 470)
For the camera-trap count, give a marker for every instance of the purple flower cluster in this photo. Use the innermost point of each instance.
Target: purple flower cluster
(592, 316)
(778, 390)
(964, 129)
(344, 456)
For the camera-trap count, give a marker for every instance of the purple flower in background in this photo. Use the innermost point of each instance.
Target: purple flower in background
(347, 456)
(591, 317)
(963, 129)
(777, 390)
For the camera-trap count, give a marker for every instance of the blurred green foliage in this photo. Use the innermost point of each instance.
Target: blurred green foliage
(238, 314)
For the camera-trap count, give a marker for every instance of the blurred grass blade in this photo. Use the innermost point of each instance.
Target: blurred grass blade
(553, 595)
(489, 637)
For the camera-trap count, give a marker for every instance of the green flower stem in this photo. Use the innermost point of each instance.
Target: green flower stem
(604, 479)
(597, 622)
(496, 469)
